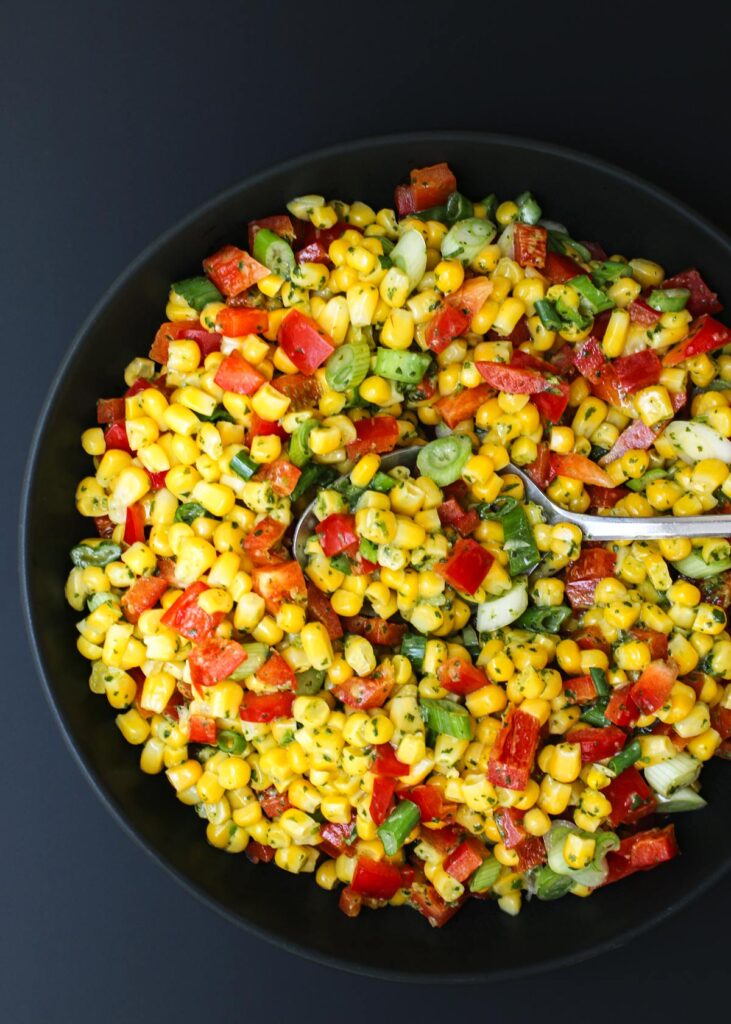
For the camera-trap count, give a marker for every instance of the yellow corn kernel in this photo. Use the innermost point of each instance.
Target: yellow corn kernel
(705, 745)
(647, 273)
(317, 646)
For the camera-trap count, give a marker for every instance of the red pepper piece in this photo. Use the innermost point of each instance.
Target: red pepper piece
(541, 471)
(430, 905)
(281, 474)
(338, 838)
(368, 692)
(376, 434)
(578, 467)
(235, 322)
(467, 566)
(142, 595)
(655, 640)
(581, 689)
(264, 707)
(232, 270)
(350, 902)
(452, 514)
(214, 659)
(202, 729)
(115, 437)
(706, 335)
(337, 533)
(273, 803)
(511, 758)
(466, 859)
(456, 408)
(319, 609)
(386, 762)
(606, 497)
(560, 269)
(263, 428)
(642, 852)
(379, 631)
(531, 852)
(207, 341)
(432, 806)
(134, 527)
(701, 299)
(259, 853)
(640, 370)
(259, 543)
(653, 687)
(513, 380)
(597, 743)
(621, 709)
(279, 583)
(530, 243)
(382, 798)
(582, 576)
(721, 720)
(432, 186)
(641, 313)
(304, 342)
(235, 374)
(280, 224)
(187, 617)
(630, 796)
(376, 878)
(552, 404)
(276, 672)
(302, 391)
(458, 676)
(448, 323)
(508, 821)
(637, 435)
(110, 410)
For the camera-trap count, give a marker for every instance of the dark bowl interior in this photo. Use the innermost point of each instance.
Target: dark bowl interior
(597, 201)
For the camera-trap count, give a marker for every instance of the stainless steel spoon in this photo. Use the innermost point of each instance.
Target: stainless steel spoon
(592, 527)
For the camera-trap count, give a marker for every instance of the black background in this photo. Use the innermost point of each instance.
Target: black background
(118, 120)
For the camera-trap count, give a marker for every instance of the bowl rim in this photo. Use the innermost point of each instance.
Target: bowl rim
(293, 164)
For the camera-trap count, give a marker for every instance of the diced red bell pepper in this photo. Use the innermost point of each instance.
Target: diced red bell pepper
(280, 224)
(508, 821)
(642, 852)
(234, 322)
(641, 313)
(466, 859)
(207, 341)
(281, 474)
(187, 617)
(202, 729)
(582, 576)
(279, 583)
(630, 796)
(104, 526)
(166, 571)
(621, 709)
(463, 405)
(597, 251)
(467, 566)
(701, 299)
(605, 497)
(259, 853)
(560, 268)
(157, 480)
(431, 905)
(653, 687)
(263, 428)
(382, 798)
(313, 244)
(378, 434)
(541, 471)
(511, 379)
(337, 838)
(110, 410)
(706, 335)
(581, 689)
(277, 673)
(403, 200)
(452, 514)
(472, 296)
(655, 640)
(368, 692)
(303, 392)
(134, 527)
(636, 436)
(511, 758)
(431, 186)
(531, 852)
(432, 806)
(721, 720)
(232, 270)
(590, 639)
(264, 707)
(214, 659)
(115, 436)
(376, 878)
(578, 467)
(273, 803)
(337, 533)
(386, 762)
(235, 374)
(142, 595)
(380, 632)
(445, 840)
(552, 403)
(596, 743)
(458, 676)
(320, 609)
(592, 364)
(259, 543)
(304, 342)
(640, 370)
(530, 243)
(350, 902)
(446, 324)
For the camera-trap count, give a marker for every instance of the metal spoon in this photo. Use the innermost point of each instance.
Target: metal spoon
(592, 527)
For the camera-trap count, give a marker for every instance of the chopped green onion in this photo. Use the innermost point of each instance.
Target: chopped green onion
(544, 620)
(189, 511)
(528, 209)
(312, 474)
(432, 213)
(348, 366)
(231, 742)
(694, 566)
(219, 414)
(309, 682)
(274, 252)
(491, 204)
(466, 238)
(299, 447)
(256, 655)
(197, 292)
(243, 465)
(685, 799)
(397, 826)
(349, 491)
(609, 271)
(99, 555)
(486, 875)
(382, 482)
(342, 563)
(599, 679)
(594, 715)
(413, 647)
(368, 550)
(409, 255)
(394, 364)
(594, 298)
(668, 300)
(93, 601)
(625, 758)
(458, 208)
(560, 242)
(442, 460)
(498, 508)
(549, 884)
(669, 776)
(471, 641)
(519, 543)
(549, 318)
(446, 718)
(641, 483)
(572, 316)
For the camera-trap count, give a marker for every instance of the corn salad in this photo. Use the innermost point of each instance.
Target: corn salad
(449, 698)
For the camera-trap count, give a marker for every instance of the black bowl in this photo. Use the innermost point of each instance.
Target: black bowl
(597, 201)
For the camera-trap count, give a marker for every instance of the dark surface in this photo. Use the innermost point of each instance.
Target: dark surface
(119, 124)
